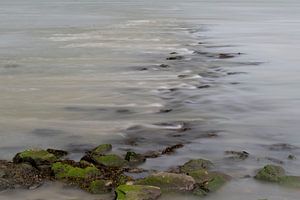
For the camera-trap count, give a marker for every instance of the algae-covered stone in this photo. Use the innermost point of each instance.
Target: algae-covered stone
(271, 173)
(208, 181)
(169, 181)
(111, 160)
(35, 157)
(99, 187)
(196, 164)
(134, 158)
(66, 171)
(102, 149)
(137, 192)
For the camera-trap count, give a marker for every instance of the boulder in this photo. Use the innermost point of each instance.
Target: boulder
(196, 164)
(137, 192)
(102, 149)
(35, 157)
(169, 181)
(110, 160)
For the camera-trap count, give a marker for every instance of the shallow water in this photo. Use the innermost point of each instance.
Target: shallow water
(76, 74)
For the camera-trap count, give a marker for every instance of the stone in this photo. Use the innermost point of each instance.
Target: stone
(270, 173)
(134, 158)
(196, 164)
(169, 181)
(35, 157)
(102, 149)
(137, 192)
(99, 187)
(111, 160)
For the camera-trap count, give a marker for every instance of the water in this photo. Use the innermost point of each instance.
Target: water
(72, 75)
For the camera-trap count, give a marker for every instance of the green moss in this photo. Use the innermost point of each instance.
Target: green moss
(102, 149)
(137, 192)
(110, 160)
(98, 187)
(65, 171)
(169, 182)
(209, 181)
(35, 157)
(271, 173)
(196, 164)
(134, 158)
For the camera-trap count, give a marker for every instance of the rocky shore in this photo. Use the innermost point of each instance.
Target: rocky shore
(101, 171)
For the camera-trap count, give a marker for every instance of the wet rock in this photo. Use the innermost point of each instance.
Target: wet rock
(172, 149)
(276, 174)
(102, 149)
(169, 182)
(100, 186)
(203, 86)
(225, 55)
(173, 53)
(111, 160)
(69, 172)
(292, 157)
(137, 192)
(235, 73)
(165, 110)
(175, 58)
(196, 164)
(208, 181)
(164, 66)
(57, 153)
(240, 155)
(18, 176)
(152, 154)
(282, 147)
(134, 158)
(35, 157)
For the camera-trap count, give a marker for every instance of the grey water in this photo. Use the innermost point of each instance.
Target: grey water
(74, 74)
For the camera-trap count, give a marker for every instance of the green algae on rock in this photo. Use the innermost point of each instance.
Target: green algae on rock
(99, 186)
(35, 157)
(110, 160)
(276, 174)
(137, 192)
(195, 164)
(169, 182)
(102, 149)
(66, 171)
(134, 158)
(208, 181)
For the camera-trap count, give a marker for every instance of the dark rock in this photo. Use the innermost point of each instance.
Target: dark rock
(57, 153)
(35, 157)
(225, 55)
(172, 149)
(196, 164)
(203, 86)
(175, 58)
(165, 110)
(292, 157)
(164, 66)
(240, 155)
(134, 158)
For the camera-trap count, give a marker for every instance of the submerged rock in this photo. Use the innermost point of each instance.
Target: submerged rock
(208, 181)
(134, 158)
(196, 164)
(169, 182)
(102, 149)
(276, 174)
(175, 58)
(137, 192)
(111, 160)
(35, 157)
(99, 186)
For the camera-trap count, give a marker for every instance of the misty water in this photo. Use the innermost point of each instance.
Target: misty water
(75, 74)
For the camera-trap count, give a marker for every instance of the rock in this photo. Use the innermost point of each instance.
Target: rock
(134, 158)
(270, 173)
(208, 181)
(35, 157)
(18, 176)
(99, 186)
(196, 164)
(164, 66)
(240, 155)
(175, 58)
(102, 149)
(172, 149)
(292, 157)
(69, 172)
(137, 192)
(276, 174)
(169, 182)
(111, 160)
(57, 153)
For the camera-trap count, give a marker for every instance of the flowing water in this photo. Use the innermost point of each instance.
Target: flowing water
(74, 74)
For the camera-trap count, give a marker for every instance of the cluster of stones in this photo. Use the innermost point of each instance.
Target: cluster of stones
(100, 171)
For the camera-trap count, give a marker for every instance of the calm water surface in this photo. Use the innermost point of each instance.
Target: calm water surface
(74, 74)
